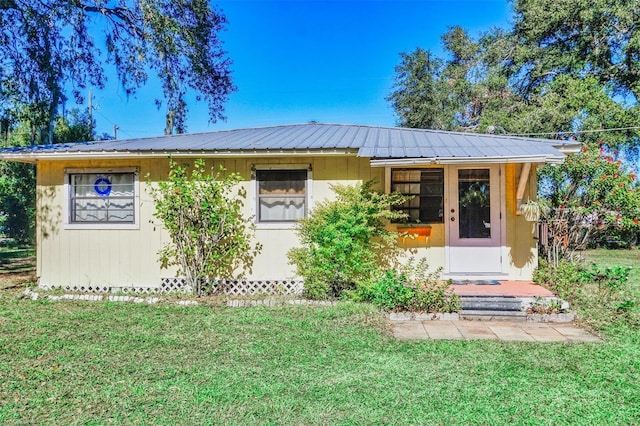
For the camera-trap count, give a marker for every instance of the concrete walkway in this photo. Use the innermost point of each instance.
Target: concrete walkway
(491, 330)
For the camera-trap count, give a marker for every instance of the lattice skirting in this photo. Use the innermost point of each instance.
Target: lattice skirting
(241, 287)
(178, 285)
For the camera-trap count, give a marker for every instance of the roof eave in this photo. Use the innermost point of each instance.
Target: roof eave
(569, 149)
(27, 157)
(396, 162)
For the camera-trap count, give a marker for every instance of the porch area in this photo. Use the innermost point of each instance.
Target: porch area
(493, 288)
(494, 300)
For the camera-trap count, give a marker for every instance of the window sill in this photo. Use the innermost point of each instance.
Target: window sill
(87, 226)
(276, 226)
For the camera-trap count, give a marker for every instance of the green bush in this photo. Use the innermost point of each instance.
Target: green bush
(202, 213)
(602, 296)
(410, 287)
(344, 241)
(392, 290)
(566, 280)
(610, 281)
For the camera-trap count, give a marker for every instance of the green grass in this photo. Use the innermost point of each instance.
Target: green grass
(15, 259)
(100, 363)
(111, 363)
(618, 257)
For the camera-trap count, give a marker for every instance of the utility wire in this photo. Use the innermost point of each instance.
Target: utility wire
(613, 129)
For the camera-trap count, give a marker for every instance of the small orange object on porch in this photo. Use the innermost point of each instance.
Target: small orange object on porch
(417, 230)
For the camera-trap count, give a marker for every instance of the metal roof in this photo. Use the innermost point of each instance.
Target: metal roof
(390, 144)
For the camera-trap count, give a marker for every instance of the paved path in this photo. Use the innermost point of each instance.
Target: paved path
(491, 330)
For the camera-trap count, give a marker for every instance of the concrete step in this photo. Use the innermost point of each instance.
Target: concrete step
(491, 303)
(489, 315)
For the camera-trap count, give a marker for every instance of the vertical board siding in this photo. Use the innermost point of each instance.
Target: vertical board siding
(521, 245)
(129, 257)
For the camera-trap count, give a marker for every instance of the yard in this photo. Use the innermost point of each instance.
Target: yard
(101, 363)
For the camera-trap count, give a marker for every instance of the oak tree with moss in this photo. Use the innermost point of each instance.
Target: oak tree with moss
(51, 50)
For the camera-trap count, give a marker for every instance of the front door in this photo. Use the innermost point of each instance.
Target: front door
(474, 222)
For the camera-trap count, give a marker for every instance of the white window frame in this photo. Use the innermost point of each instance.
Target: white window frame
(68, 224)
(254, 188)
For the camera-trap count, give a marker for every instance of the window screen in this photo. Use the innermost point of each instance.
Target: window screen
(426, 186)
(282, 195)
(102, 198)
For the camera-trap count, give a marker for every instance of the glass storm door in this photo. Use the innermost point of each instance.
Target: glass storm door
(474, 221)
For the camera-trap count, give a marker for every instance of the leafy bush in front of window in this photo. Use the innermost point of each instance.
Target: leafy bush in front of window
(344, 241)
(202, 212)
(409, 287)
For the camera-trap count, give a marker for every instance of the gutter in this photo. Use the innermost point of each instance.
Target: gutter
(26, 157)
(395, 162)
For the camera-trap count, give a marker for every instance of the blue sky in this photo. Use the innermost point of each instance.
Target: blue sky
(296, 60)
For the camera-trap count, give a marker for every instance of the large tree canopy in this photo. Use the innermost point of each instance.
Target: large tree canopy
(580, 38)
(49, 50)
(566, 68)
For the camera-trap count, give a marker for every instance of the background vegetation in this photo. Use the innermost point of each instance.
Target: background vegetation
(564, 69)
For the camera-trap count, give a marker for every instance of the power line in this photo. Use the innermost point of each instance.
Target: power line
(613, 129)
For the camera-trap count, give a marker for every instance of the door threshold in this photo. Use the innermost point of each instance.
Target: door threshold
(476, 277)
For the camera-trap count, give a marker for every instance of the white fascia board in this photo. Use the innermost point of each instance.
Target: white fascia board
(126, 155)
(396, 162)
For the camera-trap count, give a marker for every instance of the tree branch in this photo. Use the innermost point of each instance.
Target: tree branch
(8, 4)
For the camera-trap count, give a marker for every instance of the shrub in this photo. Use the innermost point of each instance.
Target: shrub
(202, 212)
(566, 279)
(410, 287)
(344, 241)
(610, 281)
(601, 295)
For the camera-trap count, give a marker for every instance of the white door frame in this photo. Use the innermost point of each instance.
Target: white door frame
(457, 251)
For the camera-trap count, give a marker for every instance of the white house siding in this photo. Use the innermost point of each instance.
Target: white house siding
(107, 258)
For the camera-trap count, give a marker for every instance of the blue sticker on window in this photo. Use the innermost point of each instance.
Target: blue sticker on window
(102, 186)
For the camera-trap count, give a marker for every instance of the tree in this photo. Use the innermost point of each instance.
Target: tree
(18, 180)
(73, 128)
(420, 96)
(593, 196)
(565, 69)
(210, 237)
(579, 38)
(48, 46)
(344, 241)
(17, 201)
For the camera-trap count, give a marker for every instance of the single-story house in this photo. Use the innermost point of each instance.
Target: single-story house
(96, 230)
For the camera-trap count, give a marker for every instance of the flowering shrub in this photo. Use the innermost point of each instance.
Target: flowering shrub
(592, 194)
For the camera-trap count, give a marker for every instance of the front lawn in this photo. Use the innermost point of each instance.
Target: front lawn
(618, 257)
(101, 363)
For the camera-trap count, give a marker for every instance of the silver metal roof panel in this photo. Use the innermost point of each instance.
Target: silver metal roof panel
(369, 141)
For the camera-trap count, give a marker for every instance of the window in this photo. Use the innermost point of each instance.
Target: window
(282, 194)
(427, 188)
(102, 198)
